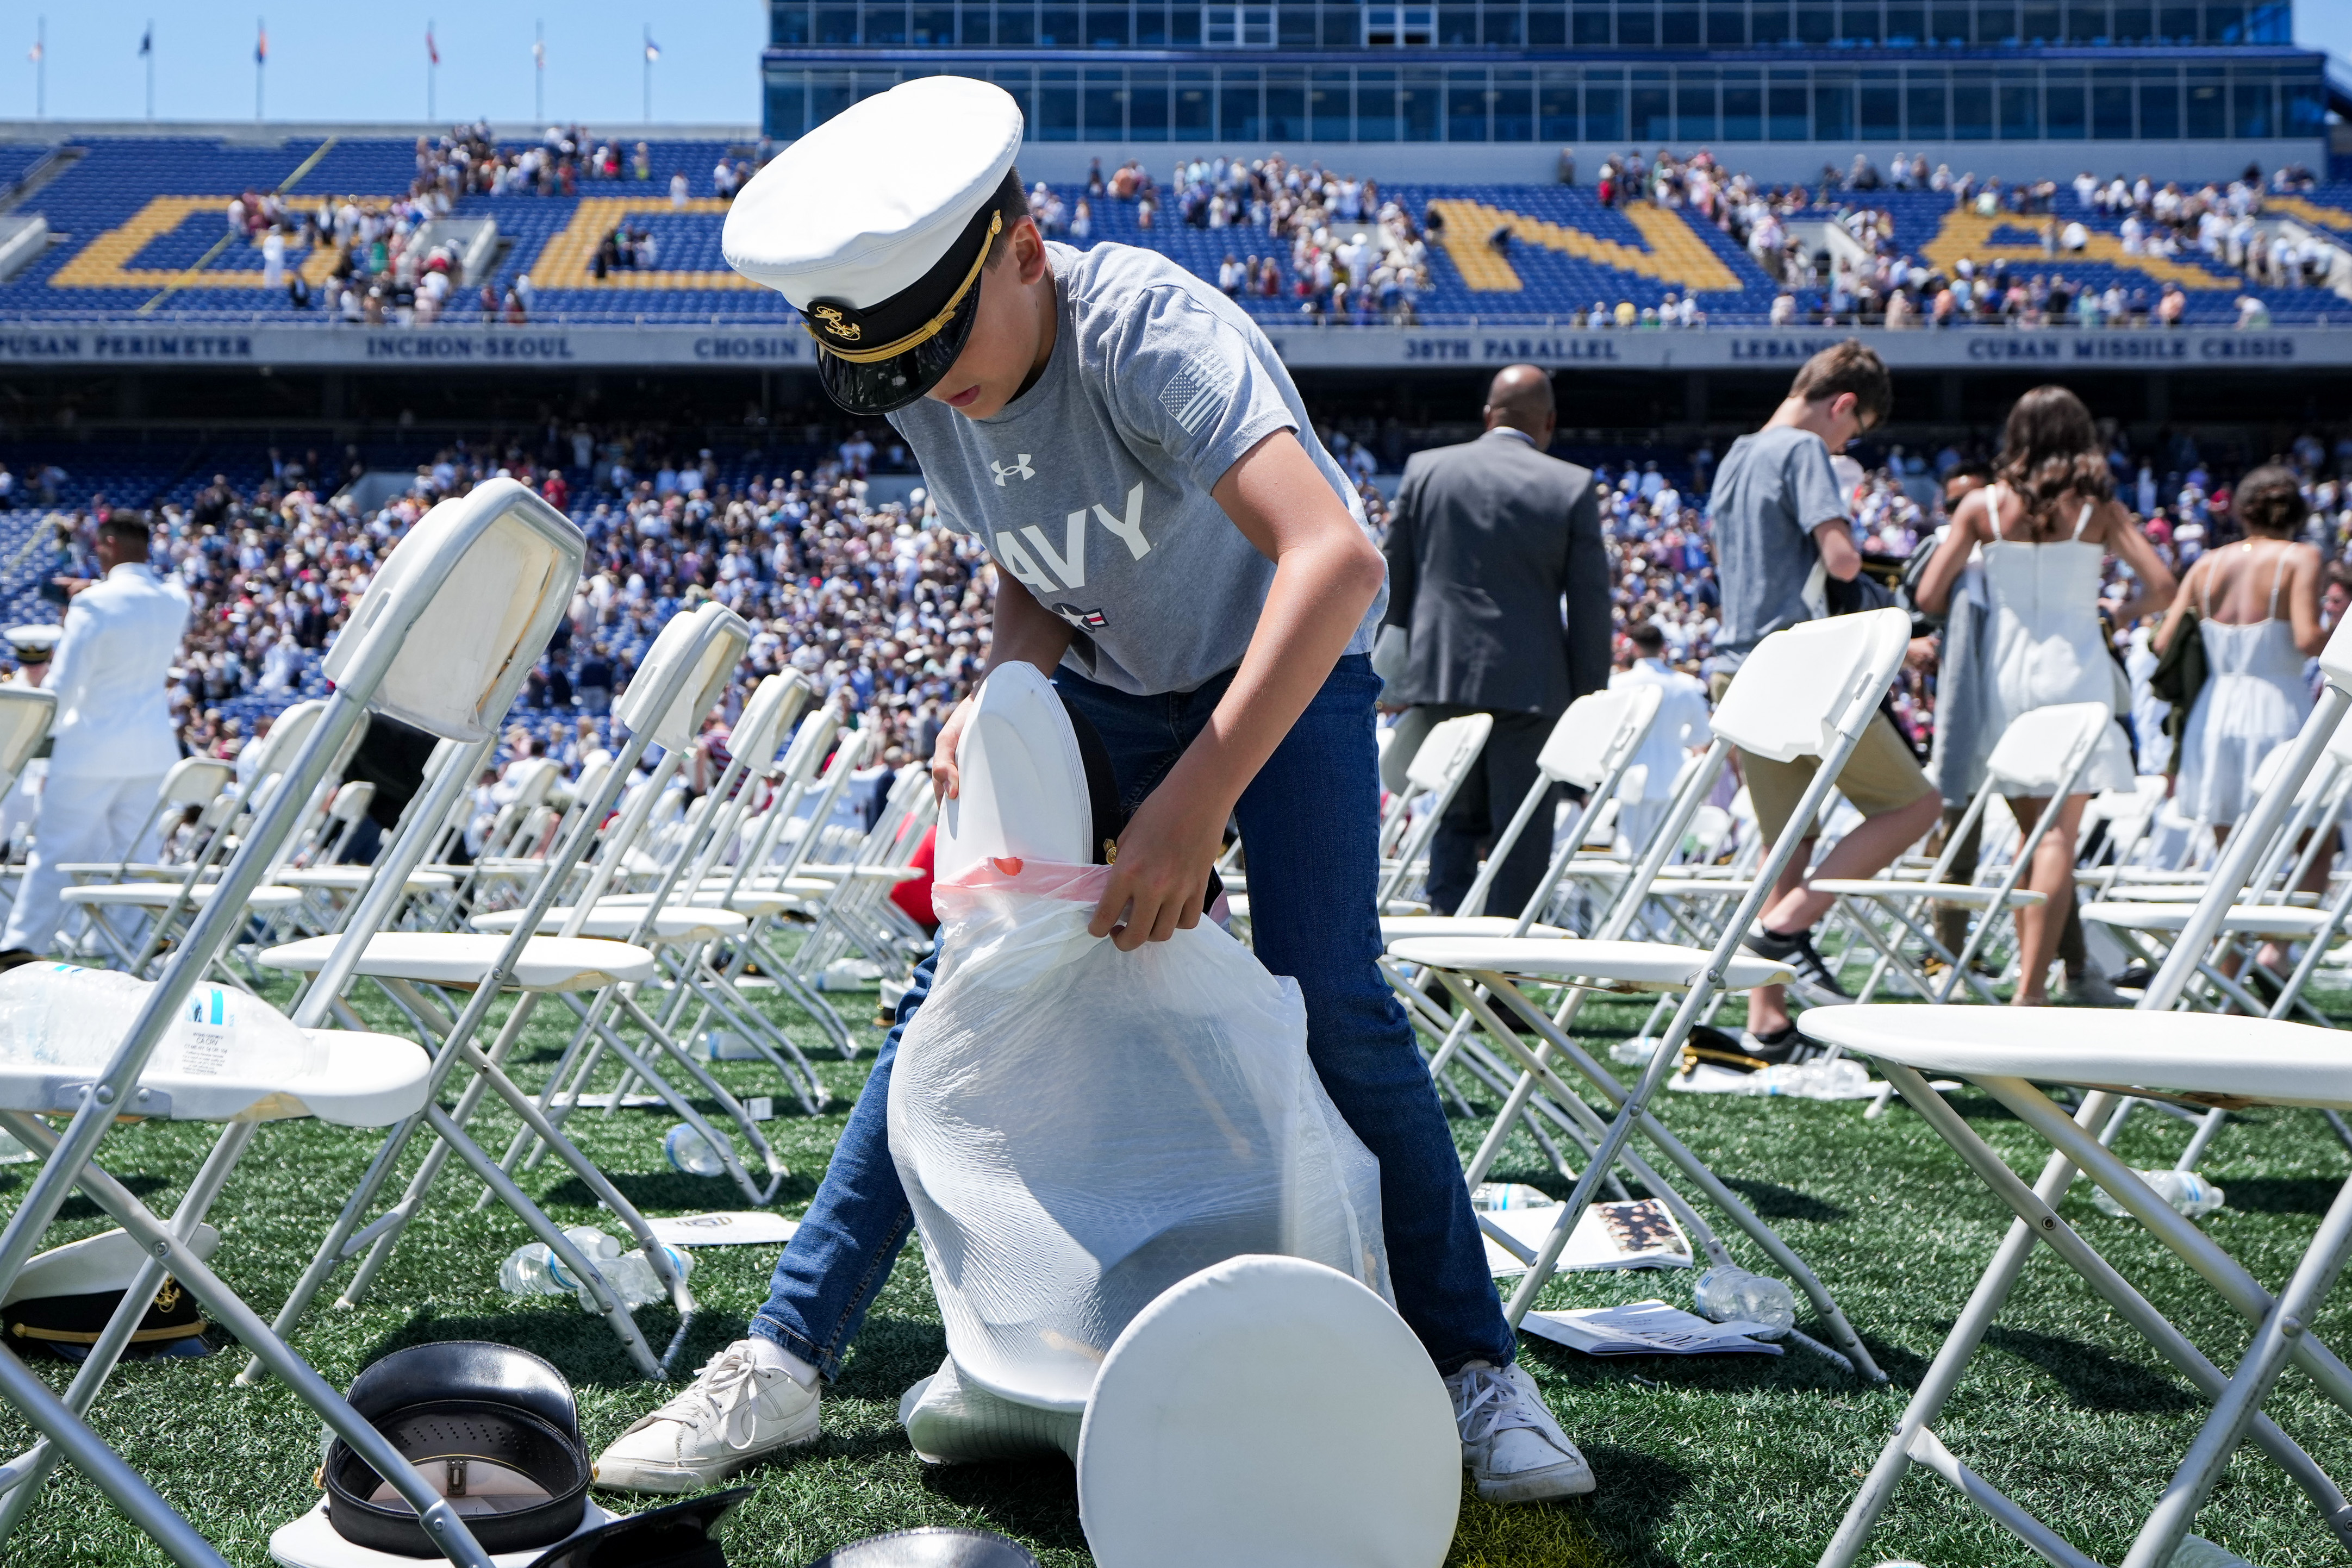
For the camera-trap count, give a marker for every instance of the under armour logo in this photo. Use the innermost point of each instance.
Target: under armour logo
(1020, 466)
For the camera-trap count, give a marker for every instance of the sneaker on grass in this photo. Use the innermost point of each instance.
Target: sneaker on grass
(1796, 949)
(741, 1408)
(1514, 1447)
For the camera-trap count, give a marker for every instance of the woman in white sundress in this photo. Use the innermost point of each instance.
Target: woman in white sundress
(2045, 528)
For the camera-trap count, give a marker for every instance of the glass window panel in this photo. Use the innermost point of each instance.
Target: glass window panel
(1907, 24)
(1651, 107)
(1882, 108)
(789, 25)
(2111, 110)
(935, 24)
(836, 25)
(1183, 26)
(1329, 98)
(1512, 99)
(1637, 24)
(1420, 97)
(1972, 107)
(1678, 27)
(830, 93)
(1376, 106)
(1241, 112)
(1604, 106)
(2209, 110)
(2271, 24)
(1457, 26)
(1057, 28)
(787, 106)
(1295, 28)
(1104, 104)
(2304, 105)
(1789, 117)
(1151, 26)
(1286, 105)
(1948, 23)
(2086, 24)
(886, 24)
(2038, 25)
(2064, 109)
(1743, 112)
(1816, 24)
(972, 24)
(2132, 24)
(1727, 26)
(1342, 27)
(1833, 109)
(2021, 107)
(1694, 118)
(1194, 97)
(1107, 27)
(1501, 23)
(1924, 119)
(1546, 26)
(1058, 105)
(2175, 23)
(1593, 23)
(1996, 22)
(2253, 106)
(1859, 23)
(1016, 27)
(1146, 104)
(2224, 24)
(1768, 22)
(1465, 106)
(2159, 103)
(1557, 117)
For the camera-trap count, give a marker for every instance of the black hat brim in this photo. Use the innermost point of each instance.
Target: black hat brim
(886, 386)
(682, 1535)
(935, 1546)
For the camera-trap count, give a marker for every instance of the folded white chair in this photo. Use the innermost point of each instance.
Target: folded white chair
(2197, 1058)
(442, 639)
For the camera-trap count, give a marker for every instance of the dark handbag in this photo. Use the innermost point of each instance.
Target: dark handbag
(2180, 677)
(1865, 593)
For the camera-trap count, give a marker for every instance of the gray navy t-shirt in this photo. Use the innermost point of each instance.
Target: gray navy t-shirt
(1771, 491)
(1092, 487)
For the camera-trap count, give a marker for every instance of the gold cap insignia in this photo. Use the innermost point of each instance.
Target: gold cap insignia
(848, 332)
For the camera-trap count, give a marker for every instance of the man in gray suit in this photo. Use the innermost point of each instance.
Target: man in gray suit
(1499, 581)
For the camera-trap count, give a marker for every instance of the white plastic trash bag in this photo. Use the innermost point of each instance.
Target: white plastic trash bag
(1079, 1128)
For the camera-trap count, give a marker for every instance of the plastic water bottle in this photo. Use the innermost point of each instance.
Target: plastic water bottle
(1843, 1078)
(725, 1045)
(526, 1272)
(1494, 1196)
(533, 1270)
(13, 1152)
(66, 1016)
(1729, 1293)
(2189, 1193)
(692, 1153)
(2195, 1551)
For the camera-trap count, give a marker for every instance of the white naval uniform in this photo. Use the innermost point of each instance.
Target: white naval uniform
(1681, 728)
(114, 740)
(24, 797)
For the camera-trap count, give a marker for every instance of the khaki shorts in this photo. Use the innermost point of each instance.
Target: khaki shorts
(1882, 775)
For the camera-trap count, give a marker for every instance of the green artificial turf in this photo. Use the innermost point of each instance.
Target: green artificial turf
(1743, 1462)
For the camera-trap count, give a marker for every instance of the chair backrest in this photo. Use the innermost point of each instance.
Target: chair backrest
(716, 659)
(286, 732)
(351, 801)
(1598, 729)
(195, 781)
(1448, 752)
(534, 777)
(757, 739)
(2042, 748)
(25, 715)
(1797, 690)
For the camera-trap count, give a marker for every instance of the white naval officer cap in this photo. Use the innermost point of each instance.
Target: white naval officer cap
(876, 225)
(32, 644)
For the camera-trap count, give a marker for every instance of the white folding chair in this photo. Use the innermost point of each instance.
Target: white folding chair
(2197, 1058)
(1437, 770)
(443, 638)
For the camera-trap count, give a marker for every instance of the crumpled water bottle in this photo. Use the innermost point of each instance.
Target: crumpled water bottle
(692, 1153)
(533, 1270)
(1729, 1293)
(2189, 1193)
(1843, 1078)
(1494, 1196)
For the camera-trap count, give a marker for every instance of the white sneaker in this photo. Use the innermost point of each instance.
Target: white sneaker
(1514, 1448)
(2093, 989)
(732, 1416)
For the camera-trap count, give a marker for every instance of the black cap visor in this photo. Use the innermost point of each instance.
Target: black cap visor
(880, 358)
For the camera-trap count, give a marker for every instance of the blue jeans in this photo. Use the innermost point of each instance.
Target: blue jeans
(1310, 822)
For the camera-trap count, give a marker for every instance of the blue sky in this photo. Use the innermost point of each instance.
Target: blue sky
(332, 60)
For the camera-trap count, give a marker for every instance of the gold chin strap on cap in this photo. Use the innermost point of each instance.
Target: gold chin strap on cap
(929, 330)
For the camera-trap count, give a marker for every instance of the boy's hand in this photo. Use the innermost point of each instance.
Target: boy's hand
(946, 780)
(1161, 873)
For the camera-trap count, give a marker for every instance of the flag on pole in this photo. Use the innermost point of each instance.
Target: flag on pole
(539, 54)
(34, 54)
(653, 51)
(260, 45)
(147, 40)
(431, 53)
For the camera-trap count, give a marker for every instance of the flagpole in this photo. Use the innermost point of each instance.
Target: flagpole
(261, 62)
(432, 70)
(150, 52)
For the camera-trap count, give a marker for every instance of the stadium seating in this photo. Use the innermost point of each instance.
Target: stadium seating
(143, 221)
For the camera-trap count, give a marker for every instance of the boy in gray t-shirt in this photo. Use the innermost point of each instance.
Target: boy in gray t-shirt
(1174, 548)
(1780, 532)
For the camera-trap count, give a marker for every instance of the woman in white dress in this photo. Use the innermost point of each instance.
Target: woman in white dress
(2258, 607)
(2044, 528)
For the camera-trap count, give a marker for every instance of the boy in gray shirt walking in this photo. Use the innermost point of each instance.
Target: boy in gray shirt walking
(1177, 551)
(1781, 537)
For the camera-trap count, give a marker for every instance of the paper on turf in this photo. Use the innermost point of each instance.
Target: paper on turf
(1645, 1328)
(1637, 1235)
(748, 1227)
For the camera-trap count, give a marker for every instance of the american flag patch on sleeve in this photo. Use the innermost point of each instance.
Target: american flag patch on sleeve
(1195, 393)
